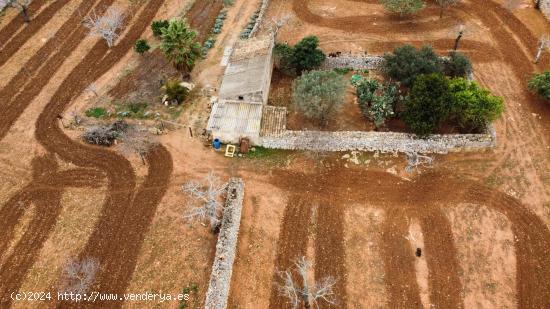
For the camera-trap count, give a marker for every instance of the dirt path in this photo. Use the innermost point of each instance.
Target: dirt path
(13, 45)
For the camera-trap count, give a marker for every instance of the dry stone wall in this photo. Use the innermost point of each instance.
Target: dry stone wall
(226, 248)
(357, 62)
(379, 141)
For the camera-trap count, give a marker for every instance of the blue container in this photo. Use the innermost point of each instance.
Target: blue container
(217, 144)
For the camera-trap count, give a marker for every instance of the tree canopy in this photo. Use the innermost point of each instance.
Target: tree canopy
(540, 83)
(428, 104)
(473, 107)
(303, 56)
(406, 63)
(179, 45)
(317, 94)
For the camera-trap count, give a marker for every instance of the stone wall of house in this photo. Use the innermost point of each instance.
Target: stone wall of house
(379, 141)
(226, 248)
(261, 14)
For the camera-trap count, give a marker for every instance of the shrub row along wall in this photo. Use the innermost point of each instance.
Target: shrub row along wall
(379, 141)
(226, 248)
(357, 62)
(263, 8)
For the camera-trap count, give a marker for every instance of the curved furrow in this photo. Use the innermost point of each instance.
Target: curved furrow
(532, 243)
(27, 249)
(13, 45)
(117, 237)
(37, 71)
(15, 24)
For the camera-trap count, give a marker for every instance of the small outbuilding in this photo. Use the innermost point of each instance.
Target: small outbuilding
(243, 92)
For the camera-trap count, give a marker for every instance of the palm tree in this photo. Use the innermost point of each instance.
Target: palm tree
(180, 46)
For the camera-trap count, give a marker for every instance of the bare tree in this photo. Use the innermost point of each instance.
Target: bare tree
(278, 23)
(79, 275)
(137, 141)
(414, 160)
(93, 89)
(444, 4)
(544, 42)
(208, 195)
(304, 292)
(105, 26)
(21, 5)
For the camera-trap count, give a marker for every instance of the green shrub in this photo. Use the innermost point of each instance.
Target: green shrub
(540, 84)
(96, 112)
(157, 27)
(175, 91)
(473, 107)
(306, 55)
(343, 71)
(457, 65)
(377, 102)
(407, 62)
(317, 94)
(141, 46)
(428, 104)
(282, 53)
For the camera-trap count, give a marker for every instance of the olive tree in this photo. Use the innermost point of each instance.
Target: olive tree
(403, 7)
(318, 94)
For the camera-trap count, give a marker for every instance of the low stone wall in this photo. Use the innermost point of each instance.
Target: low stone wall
(379, 141)
(357, 62)
(226, 248)
(263, 8)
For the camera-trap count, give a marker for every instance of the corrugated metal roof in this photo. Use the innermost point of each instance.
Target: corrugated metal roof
(236, 117)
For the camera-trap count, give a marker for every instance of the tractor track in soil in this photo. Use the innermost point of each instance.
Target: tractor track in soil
(46, 200)
(17, 41)
(117, 259)
(118, 170)
(423, 198)
(37, 71)
(11, 29)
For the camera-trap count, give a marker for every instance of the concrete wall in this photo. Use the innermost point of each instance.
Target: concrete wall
(226, 248)
(379, 141)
